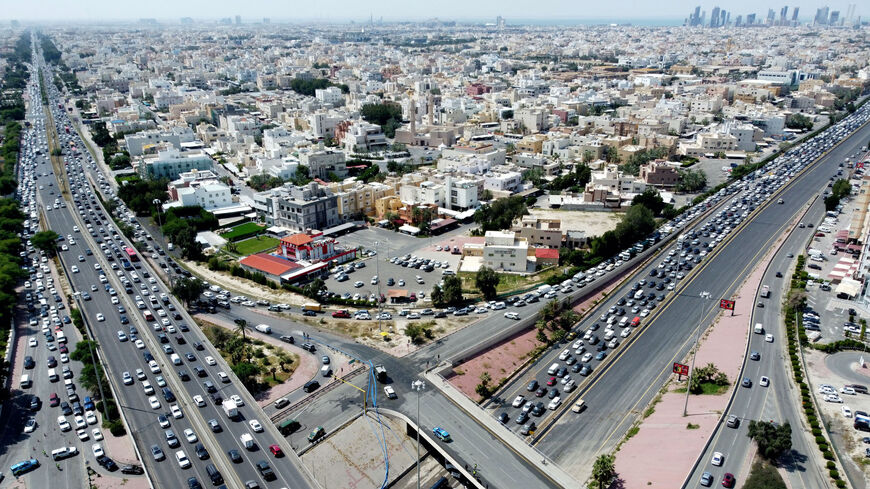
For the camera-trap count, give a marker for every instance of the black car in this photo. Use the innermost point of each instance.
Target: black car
(503, 418)
(189, 356)
(28, 362)
(541, 391)
(198, 346)
(201, 452)
(35, 403)
(553, 393)
(576, 367)
(107, 463)
(539, 409)
(65, 408)
(183, 327)
(193, 483)
(235, 457)
(182, 374)
(311, 386)
(180, 339)
(132, 469)
(586, 370)
(199, 371)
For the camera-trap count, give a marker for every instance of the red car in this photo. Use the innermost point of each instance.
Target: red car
(728, 480)
(341, 314)
(552, 381)
(276, 451)
(63, 348)
(53, 400)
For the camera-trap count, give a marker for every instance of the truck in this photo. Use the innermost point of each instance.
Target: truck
(380, 373)
(765, 291)
(312, 306)
(230, 408)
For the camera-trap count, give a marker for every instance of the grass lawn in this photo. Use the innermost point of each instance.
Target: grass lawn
(509, 282)
(255, 245)
(242, 229)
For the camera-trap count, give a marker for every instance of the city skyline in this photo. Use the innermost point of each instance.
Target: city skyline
(550, 11)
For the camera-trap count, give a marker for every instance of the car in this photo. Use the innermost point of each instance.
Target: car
(190, 435)
(97, 434)
(201, 452)
(833, 398)
(503, 418)
(717, 459)
(153, 402)
(163, 421)
(390, 392)
(746, 382)
(100, 317)
(728, 480)
(90, 417)
(847, 412)
(237, 399)
(706, 479)
(29, 425)
(176, 411)
(518, 401)
(210, 361)
(533, 386)
(97, 448)
(764, 381)
(768, 338)
(755, 356)
(441, 434)
(32, 342)
(318, 432)
(522, 417)
(182, 459)
(235, 456)
(733, 421)
(276, 451)
(255, 426)
(198, 400)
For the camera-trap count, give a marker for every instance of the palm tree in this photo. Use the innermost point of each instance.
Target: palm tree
(274, 370)
(242, 327)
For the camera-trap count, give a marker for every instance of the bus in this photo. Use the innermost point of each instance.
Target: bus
(131, 254)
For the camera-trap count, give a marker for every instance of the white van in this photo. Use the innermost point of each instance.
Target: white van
(263, 328)
(326, 371)
(52, 375)
(759, 329)
(176, 360)
(25, 381)
(553, 369)
(61, 338)
(639, 294)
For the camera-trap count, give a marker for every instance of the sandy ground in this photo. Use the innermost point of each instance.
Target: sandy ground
(592, 223)
(307, 368)
(640, 462)
(501, 361)
(346, 458)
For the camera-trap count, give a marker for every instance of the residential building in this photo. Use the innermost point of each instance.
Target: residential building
(171, 163)
(139, 143)
(323, 162)
(505, 252)
(299, 208)
(659, 174)
(540, 232)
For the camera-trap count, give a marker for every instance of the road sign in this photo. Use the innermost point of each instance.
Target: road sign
(726, 304)
(681, 369)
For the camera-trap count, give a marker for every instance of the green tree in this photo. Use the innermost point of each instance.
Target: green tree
(312, 289)
(188, 289)
(242, 328)
(764, 476)
(483, 388)
(486, 280)
(771, 438)
(651, 199)
(692, 181)
(604, 470)
(247, 373)
(799, 121)
(45, 241)
(452, 290)
(437, 296)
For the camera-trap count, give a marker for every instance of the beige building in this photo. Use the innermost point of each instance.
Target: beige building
(540, 232)
(505, 252)
(357, 198)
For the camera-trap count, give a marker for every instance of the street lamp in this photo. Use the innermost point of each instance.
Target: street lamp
(419, 386)
(703, 296)
(157, 203)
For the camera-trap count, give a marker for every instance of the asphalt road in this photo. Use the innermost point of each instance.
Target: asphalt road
(644, 366)
(124, 357)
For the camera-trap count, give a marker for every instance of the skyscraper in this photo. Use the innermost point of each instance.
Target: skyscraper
(794, 15)
(750, 19)
(821, 16)
(835, 18)
(783, 15)
(238, 19)
(714, 17)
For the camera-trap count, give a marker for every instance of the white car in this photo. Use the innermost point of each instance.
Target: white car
(140, 344)
(80, 422)
(518, 401)
(833, 398)
(32, 342)
(97, 434)
(847, 390)
(176, 411)
(237, 399)
(390, 392)
(182, 459)
(98, 450)
(30, 425)
(512, 315)
(155, 404)
(190, 436)
(198, 400)
(768, 338)
(210, 361)
(100, 317)
(75, 269)
(625, 332)
(83, 435)
(63, 423)
(718, 458)
(764, 381)
(256, 426)
(90, 417)
(846, 411)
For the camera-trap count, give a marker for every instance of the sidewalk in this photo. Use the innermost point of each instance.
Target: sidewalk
(641, 461)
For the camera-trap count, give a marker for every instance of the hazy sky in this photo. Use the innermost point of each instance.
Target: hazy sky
(342, 10)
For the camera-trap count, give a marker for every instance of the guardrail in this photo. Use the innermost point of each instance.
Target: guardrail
(275, 418)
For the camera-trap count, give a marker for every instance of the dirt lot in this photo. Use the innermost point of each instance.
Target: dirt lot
(346, 458)
(592, 223)
(501, 361)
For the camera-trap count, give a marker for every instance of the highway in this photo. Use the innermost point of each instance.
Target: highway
(643, 367)
(124, 356)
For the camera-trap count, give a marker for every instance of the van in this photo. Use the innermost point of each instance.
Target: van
(25, 381)
(247, 440)
(176, 360)
(623, 322)
(553, 369)
(639, 294)
(862, 389)
(61, 338)
(214, 474)
(263, 328)
(326, 371)
(52, 375)
(63, 452)
(759, 329)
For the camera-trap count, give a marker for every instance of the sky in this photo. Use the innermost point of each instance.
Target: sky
(514, 11)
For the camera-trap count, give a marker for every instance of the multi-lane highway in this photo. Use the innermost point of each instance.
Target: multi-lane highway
(96, 275)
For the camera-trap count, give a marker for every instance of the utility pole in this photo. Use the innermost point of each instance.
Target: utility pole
(703, 296)
(419, 386)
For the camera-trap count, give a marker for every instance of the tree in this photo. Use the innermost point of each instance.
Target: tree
(604, 470)
(799, 121)
(452, 290)
(188, 289)
(486, 280)
(483, 388)
(247, 373)
(242, 328)
(437, 296)
(45, 241)
(772, 439)
(650, 199)
(692, 181)
(313, 288)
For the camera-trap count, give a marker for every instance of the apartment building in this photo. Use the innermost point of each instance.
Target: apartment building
(299, 208)
(426, 193)
(505, 252)
(323, 162)
(138, 144)
(540, 232)
(171, 163)
(360, 136)
(659, 174)
(509, 181)
(357, 198)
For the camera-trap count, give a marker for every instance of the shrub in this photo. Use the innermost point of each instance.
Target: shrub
(834, 474)
(831, 465)
(840, 483)
(817, 432)
(820, 439)
(828, 455)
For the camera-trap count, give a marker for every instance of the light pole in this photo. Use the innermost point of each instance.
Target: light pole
(419, 386)
(378, 273)
(703, 296)
(157, 203)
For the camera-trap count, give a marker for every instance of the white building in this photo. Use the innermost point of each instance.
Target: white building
(330, 95)
(322, 163)
(427, 193)
(504, 252)
(138, 143)
(362, 136)
(461, 194)
(209, 195)
(171, 163)
(508, 181)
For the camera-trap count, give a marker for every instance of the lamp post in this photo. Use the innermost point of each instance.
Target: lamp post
(703, 296)
(157, 203)
(419, 386)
